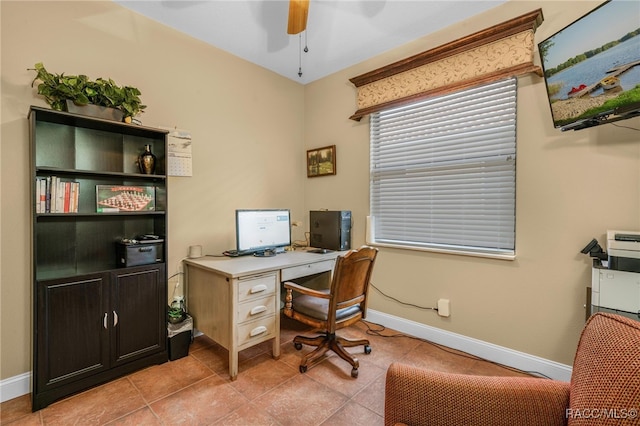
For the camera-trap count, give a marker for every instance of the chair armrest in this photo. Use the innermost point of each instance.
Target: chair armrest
(416, 396)
(306, 290)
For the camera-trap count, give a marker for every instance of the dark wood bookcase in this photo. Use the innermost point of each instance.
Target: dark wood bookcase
(93, 321)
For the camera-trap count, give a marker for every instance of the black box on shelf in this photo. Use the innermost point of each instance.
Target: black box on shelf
(139, 252)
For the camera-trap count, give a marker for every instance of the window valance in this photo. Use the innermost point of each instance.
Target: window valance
(504, 50)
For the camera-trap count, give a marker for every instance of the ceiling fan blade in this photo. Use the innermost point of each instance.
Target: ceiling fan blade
(298, 11)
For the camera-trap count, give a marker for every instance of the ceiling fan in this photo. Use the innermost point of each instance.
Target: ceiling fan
(298, 11)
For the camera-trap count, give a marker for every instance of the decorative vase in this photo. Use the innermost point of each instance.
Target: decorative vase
(147, 161)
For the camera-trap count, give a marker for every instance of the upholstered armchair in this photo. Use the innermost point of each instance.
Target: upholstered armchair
(604, 388)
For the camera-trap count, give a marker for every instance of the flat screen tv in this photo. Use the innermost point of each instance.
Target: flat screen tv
(263, 231)
(592, 67)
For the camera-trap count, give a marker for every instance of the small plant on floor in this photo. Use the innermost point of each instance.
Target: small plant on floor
(175, 314)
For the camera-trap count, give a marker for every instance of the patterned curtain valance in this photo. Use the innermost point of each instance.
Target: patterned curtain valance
(504, 50)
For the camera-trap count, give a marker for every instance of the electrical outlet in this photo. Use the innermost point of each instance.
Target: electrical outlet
(444, 307)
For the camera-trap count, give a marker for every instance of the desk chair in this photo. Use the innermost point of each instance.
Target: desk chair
(345, 303)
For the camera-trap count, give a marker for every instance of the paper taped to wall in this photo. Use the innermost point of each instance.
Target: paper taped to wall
(180, 160)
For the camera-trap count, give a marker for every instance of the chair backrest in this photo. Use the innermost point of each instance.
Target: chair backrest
(351, 277)
(605, 382)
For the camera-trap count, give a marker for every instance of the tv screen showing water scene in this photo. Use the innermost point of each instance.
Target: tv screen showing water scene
(592, 66)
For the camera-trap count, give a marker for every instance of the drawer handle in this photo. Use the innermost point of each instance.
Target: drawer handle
(257, 288)
(258, 330)
(258, 309)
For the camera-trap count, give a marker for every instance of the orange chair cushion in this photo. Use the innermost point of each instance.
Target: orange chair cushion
(605, 382)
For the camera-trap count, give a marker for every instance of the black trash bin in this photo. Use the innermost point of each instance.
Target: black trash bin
(180, 337)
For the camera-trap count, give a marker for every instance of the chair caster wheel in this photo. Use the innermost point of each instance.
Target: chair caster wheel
(303, 369)
(367, 349)
(354, 373)
(298, 346)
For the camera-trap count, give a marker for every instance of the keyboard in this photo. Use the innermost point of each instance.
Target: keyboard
(320, 251)
(236, 253)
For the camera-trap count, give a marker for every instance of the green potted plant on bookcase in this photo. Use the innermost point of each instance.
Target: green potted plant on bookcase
(73, 93)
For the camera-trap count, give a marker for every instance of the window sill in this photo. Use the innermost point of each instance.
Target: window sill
(497, 256)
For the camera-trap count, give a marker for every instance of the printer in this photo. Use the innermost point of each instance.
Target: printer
(615, 287)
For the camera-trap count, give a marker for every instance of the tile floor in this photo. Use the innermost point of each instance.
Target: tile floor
(197, 389)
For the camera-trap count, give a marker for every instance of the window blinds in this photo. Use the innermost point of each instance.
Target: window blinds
(443, 171)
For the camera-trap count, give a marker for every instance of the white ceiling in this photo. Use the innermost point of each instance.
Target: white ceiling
(340, 33)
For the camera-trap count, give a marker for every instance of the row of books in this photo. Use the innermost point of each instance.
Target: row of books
(56, 196)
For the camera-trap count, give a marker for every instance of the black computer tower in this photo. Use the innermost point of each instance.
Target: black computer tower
(330, 229)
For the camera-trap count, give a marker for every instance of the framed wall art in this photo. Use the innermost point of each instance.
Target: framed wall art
(321, 161)
(123, 198)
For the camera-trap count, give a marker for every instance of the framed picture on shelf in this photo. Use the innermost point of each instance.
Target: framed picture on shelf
(125, 198)
(321, 161)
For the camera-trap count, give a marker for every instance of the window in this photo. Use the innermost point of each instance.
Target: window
(443, 172)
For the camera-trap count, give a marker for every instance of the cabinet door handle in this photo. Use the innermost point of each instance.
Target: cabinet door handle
(104, 321)
(115, 318)
(258, 288)
(258, 309)
(258, 330)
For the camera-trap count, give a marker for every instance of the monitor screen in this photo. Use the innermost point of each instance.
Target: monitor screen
(259, 230)
(592, 67)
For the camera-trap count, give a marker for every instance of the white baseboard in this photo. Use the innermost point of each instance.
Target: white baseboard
(15, 386)
(499, 354)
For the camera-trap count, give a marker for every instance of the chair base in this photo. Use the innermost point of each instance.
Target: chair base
(327, 342)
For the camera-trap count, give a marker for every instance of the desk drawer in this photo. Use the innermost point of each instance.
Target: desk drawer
(255, 309)
(306, 270)
(256, 330)
(252, 288)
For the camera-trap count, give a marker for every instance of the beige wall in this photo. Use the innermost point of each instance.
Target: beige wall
(250, 131)
(246, 123)
(571, 187)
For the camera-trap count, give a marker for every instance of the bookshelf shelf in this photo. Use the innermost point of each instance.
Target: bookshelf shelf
(67, 215)
(75, 172)
(93, 321)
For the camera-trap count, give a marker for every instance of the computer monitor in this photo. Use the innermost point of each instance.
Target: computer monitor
(262, 230)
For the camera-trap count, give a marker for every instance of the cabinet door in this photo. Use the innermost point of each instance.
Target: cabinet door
(139, 304)
(71, 339)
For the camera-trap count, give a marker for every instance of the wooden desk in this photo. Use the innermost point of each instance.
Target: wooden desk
(236, 301)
